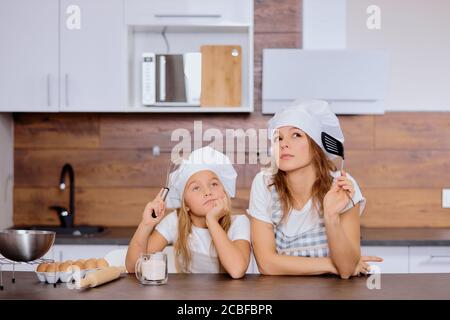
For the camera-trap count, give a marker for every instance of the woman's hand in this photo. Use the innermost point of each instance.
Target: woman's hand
(219, 210)
(158, 206)
(363, 267)
(337, 198)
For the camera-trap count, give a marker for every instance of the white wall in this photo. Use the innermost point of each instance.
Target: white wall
(6, 170)
(415, 33)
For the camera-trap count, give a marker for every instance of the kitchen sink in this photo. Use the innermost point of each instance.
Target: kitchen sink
(73, 231)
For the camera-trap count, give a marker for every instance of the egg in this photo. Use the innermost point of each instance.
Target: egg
(80, 265)
(91, 264)
(101, 263)
(64, 267)
(51, 267)
(42, 267)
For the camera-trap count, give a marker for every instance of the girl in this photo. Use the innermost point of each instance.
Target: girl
(305, 214)
(206, 238)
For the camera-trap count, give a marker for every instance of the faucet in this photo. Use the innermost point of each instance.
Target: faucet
(66, 217)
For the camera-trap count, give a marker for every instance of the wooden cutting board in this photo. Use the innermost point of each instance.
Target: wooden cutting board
(221, 76)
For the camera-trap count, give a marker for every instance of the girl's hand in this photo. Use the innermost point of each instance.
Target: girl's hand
(363, 267)
(156, 205)
(337, 198)
(219, 210)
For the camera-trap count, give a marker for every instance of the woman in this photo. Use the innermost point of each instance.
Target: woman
(305, 213)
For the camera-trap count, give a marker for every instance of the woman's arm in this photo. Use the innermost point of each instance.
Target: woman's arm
(343, 233)
(343, 230)
(271, 263)
(233, 255)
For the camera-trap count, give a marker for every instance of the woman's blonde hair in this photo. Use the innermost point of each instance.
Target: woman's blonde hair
(322, 184)
(183, 256)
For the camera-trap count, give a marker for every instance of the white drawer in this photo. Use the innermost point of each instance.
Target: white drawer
(395, 258)
(75, 252)
(429, 259)
(188, 12)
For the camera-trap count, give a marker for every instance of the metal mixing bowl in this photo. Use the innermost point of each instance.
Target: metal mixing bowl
(25, 245)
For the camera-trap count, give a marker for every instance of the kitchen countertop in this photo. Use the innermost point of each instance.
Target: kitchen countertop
(222, 287)
(370, 237)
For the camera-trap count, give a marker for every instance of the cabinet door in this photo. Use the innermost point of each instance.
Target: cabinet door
(29, 55)
(395, 259)
(92, 53)
(429, 259)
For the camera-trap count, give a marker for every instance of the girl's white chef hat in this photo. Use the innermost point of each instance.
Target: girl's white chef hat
(311, 116)
(205, 158)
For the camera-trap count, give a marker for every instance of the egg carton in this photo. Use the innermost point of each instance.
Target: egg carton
(64, 277)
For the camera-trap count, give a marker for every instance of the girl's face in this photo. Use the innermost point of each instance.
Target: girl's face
(293, 148)
(202, 190)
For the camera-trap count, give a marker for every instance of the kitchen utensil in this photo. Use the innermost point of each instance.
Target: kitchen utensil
(99, 277)
(334, 146)
(172, 167)
(221, 76)
(25, 245)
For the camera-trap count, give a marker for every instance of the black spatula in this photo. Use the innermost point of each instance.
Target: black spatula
(334, 146)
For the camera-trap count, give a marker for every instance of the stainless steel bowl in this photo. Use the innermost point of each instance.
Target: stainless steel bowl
(25, 245)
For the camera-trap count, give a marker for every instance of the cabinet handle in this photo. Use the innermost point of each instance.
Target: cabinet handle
(8, 180)
(205, 15)
(66, 88)
(48, 90)
(162, 78)
(439, 256)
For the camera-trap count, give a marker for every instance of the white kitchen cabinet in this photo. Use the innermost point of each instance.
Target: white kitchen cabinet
(29, 55)
(187, 25)
(395, 258)
(429, 259)
(187, 12)
(63, 55)
(92, 55)
(75, 252)
(6, 169)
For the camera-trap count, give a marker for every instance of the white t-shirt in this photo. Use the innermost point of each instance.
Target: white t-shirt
(200, 239)
(303, 232)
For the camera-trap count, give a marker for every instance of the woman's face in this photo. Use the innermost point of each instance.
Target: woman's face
(293, 148)
(202, 190)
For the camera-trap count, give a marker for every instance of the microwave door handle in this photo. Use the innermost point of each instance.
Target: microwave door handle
(162, 78)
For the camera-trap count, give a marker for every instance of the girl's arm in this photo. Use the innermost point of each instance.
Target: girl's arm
(233, 255)
(144, 239)
(271, 263)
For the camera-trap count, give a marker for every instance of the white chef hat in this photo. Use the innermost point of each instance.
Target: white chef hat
(311, 116)
(205, 158)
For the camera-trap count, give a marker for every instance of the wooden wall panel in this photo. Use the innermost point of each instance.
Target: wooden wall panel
(94, 206)
(401, 160)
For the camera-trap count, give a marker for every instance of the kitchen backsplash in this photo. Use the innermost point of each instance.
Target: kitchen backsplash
(401, 160)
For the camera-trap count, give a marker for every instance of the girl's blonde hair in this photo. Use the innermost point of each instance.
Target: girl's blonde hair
(183, 256)
(322, 166)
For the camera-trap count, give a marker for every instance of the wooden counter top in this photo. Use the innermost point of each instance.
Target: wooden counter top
(252, 287)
